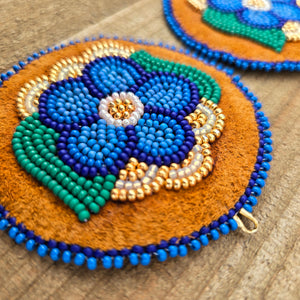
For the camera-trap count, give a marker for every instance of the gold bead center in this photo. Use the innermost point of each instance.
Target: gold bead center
(121, 109)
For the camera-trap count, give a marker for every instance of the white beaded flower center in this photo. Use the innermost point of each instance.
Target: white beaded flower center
(262, 5)
(121, 109)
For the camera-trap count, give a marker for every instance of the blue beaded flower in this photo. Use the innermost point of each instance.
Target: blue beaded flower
(262, 14)
(117, 110)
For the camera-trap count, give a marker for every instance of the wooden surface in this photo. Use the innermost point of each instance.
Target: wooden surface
(265, 265)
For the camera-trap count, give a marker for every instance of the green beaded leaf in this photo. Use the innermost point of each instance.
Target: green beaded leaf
(207, 86)
(35, 150)
(228, 22)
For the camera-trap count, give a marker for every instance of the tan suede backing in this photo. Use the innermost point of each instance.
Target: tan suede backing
(161, 216)
(191, 22)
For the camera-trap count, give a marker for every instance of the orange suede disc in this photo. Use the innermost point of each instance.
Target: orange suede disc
(158, 217)
(191, 22)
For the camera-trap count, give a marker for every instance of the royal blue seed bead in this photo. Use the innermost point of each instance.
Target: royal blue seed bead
(30, 245)
(67, 256)
(91, 263)
(182, 250)
(175, 158)
(118, 262)
(88, 251)
(79, 259)
(107, 262)
(42, 250)
(145, 259)
(54, 254)
(39, 240)
(195, 245)
(20, 238)
(13, 231)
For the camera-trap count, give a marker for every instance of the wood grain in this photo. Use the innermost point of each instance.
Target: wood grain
(238, 266)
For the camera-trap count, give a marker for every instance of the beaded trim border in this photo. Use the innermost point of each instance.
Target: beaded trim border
(175, 246)
(203, 50)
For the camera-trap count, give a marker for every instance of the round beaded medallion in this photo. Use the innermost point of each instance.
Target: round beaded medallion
(120, 151)
(260, 34)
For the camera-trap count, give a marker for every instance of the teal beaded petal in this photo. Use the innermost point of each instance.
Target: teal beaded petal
(207, 86)
(228, 22)
(35, 150)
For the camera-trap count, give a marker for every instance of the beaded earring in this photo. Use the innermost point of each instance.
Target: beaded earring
(115, 131)
(227, 30)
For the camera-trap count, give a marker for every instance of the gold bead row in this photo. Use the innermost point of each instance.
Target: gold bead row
(218, 126)
(28, 87)
(136, 171)
(198, 4)
(107, 48)
(197, 176)
(74, 66)
(291, 30)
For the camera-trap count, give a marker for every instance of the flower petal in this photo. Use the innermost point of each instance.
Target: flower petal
(261, 19)
(226, 6)
(286, 12)
(164, 137)
(107, 75)
(170, 92)
(96, 149)
(67, 102)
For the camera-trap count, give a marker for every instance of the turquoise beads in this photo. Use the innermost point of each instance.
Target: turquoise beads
(35, 150)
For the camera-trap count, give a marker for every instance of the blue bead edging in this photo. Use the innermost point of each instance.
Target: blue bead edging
(175, 246)
(202, 50)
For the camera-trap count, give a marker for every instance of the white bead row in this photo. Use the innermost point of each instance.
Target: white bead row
(210, 123)
(147, 179)
(260, 5)
(28, 96)
(291, 30)
(198, 4)
(108, 49)
(70, 71)
(189, 170)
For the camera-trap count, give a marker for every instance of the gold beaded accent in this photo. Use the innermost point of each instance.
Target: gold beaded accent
(72, 67)
(207, 121)
(291, 30)
(67, 67)
(121, 109)
(28, 97)
(138, 180)
(110, 48)
(191, 171)
(198, 4)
